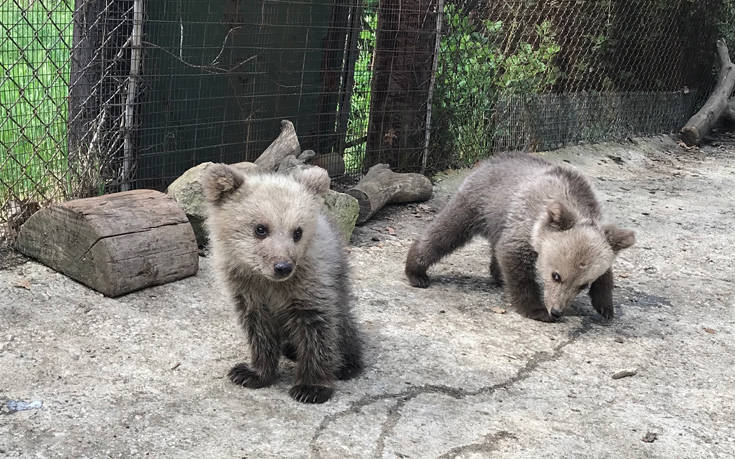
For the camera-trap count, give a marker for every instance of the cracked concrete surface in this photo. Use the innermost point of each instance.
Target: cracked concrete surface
(445, 375)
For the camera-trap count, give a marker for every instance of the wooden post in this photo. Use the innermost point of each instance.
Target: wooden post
(430, 99)
(404, 48)
(352, 53)
(136, 38)
(84, 92)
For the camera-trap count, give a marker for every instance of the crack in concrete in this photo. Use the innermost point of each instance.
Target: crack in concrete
(394, 415)
(407, 395)
(489, 444)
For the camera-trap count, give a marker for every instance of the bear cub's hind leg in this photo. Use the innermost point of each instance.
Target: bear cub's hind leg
(452, 228)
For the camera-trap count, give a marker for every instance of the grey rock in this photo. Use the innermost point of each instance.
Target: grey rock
(332, 162)
(187, 192)
(343, 209)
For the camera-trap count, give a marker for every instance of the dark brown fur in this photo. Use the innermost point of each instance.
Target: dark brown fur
(539, 219)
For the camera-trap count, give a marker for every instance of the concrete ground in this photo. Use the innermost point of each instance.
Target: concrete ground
(448, 373)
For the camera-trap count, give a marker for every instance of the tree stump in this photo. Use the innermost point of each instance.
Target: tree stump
(701, 123)
(116, 243)
(382, 186)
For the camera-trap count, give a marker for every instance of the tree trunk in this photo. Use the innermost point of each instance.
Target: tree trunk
(352, 53)
(701, 123)
(333, 44)
(84, 100)
(402, 65)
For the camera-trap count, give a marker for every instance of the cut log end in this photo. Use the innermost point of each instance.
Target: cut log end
(366, 210)
(690, 136)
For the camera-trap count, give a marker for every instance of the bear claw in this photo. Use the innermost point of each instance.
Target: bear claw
(242, 375)
(306, 393)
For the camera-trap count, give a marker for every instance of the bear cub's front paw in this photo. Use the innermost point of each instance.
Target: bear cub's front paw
(306, 393)
(242, 375)
(417, 278)
(541, 315)
(606, 310)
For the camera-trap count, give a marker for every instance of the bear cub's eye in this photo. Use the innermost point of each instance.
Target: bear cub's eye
(261, 231)
(298, 232)
(555, 275)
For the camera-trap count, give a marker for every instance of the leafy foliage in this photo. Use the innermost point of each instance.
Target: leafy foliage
(474, 72)
(34, 58)
(360, 105)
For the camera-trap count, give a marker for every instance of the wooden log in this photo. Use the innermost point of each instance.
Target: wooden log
(116, 243)
(291, 162)
(382, 186)
(333, 162)
(701, 123)
(285, 144)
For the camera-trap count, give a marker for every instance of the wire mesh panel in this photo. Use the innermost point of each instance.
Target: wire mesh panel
(107, 95)
(220, 76)
(532, 75)
(65, 68)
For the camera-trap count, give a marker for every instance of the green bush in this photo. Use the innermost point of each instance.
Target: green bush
(473, 73)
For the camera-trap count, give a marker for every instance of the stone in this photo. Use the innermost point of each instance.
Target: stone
(332, 162)
(187, 192)
(343, 210)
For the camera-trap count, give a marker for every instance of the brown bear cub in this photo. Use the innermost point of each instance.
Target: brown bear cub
(543, 224)
(285, 268)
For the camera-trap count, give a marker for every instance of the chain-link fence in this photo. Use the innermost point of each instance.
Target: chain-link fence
(66, 73)
(106, 95)
(537, 75)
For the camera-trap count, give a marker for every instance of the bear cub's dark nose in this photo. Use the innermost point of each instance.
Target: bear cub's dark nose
(556, 313)
(283, 269)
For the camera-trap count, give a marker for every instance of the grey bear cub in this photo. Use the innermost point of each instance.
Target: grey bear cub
(284, 266)
(543, 223)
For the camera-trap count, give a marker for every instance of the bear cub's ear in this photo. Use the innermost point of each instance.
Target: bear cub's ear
(618, 238)
(559, 217)
(314, 178)
(219, 181)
